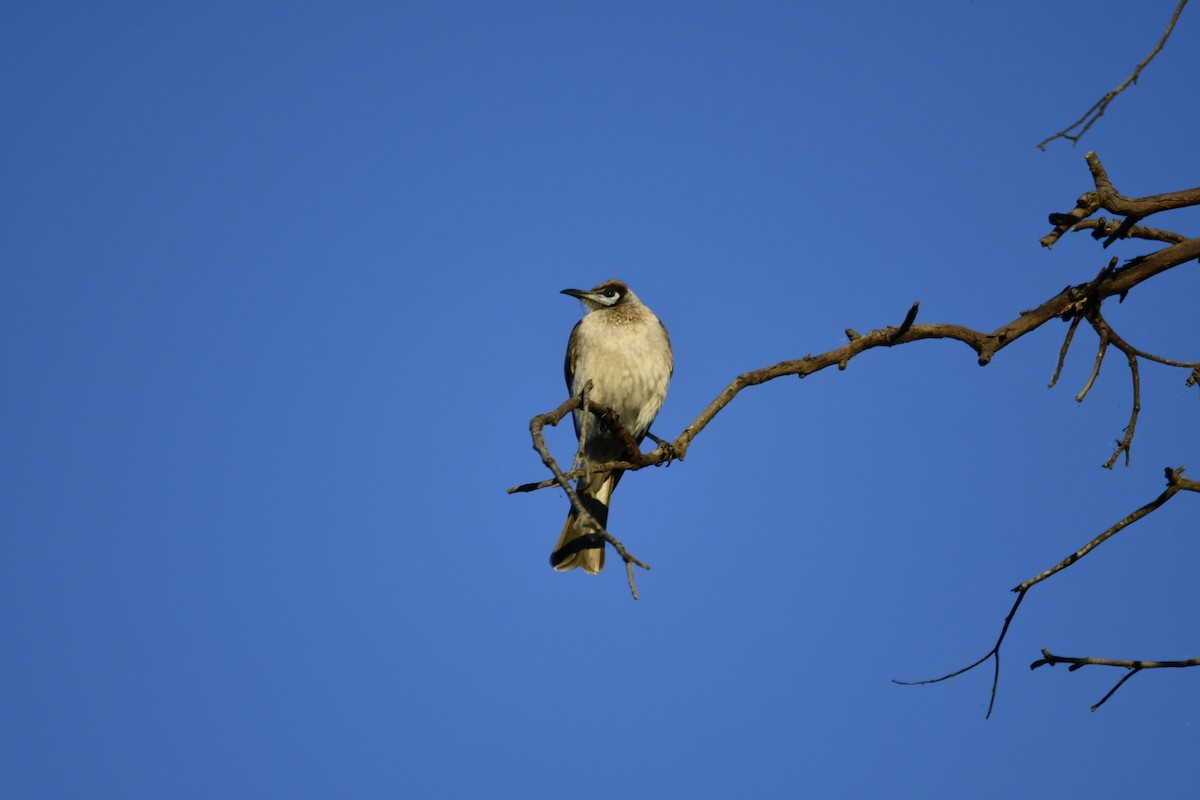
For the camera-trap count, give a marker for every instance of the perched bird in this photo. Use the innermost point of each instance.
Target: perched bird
(624, 350)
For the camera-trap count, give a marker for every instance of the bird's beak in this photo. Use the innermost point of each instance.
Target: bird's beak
(579, 293)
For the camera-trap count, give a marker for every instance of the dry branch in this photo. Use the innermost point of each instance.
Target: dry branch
(1133, 209)
(1100, 106)
(1175, 483)
(993, 654)
(1109, 228)
(1134, 667)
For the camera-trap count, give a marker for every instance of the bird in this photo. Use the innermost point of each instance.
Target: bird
(624, 350)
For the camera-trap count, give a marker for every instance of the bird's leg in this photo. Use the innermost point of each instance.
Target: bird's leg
(666, 447)
(607, 419)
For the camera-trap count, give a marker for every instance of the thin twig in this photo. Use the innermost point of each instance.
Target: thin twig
(994, 654)
(1132, 354)
(1126, 347)
(1113, 690)
(1087, 387)
(1062, 353)
(1175, 483)
(1100, 106)
(1126, 442)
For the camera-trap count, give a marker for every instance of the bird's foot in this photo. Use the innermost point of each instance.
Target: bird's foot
(665, 446)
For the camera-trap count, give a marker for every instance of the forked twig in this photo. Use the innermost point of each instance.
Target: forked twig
(1134, 667)
(993, 654)
(1100, 106)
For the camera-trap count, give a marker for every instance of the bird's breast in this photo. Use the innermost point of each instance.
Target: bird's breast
(629, 364)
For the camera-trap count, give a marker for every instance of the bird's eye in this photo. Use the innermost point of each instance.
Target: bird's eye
(611, 293)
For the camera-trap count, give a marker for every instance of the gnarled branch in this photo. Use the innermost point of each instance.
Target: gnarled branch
(1134, 209)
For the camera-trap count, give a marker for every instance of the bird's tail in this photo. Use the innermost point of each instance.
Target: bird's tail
(576, 547)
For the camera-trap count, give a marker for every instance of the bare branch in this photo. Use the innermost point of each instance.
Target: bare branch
(1126, 347)
(1097, 110)
(1066, 304)
(993, 654)
(1175, 483)
(1049, 659)
(1134, 667)
(1107, 334)
(1126, 441)
(1107, 229)
(1087, 387)
(1105, 196)
(1062, 353)
(1132, 354)
(1113, 690)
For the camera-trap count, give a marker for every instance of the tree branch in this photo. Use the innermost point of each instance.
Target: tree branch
(1134, 667)
(1105, 196)
(1108, 229)
(1100, 106)
(1175, 483)
(993, 654)
(1071, 302)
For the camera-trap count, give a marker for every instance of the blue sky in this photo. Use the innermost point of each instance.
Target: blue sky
(281, 295)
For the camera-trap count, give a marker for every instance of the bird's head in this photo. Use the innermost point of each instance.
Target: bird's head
(609, 294)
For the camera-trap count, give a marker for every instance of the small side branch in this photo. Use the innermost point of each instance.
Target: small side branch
(1087, 305)
(1100, 106)
(1062, 353)
(993, 654)
(1087, 387)
(1134, 667)
(1132, 354)
(1111, 229)
(1126, 442)
(1175, 483)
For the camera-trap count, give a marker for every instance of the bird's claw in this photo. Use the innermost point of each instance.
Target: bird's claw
(666, 447)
